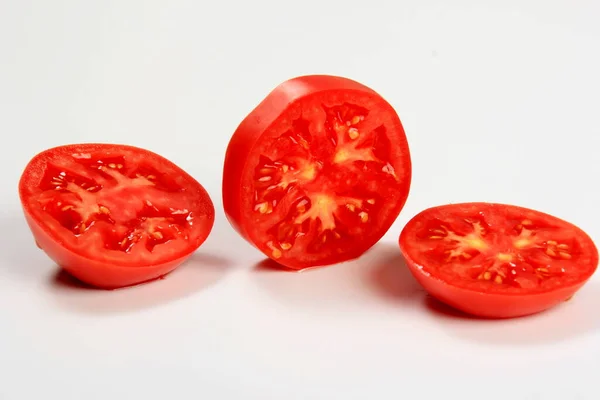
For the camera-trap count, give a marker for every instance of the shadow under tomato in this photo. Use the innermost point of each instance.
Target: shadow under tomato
(224, 240)
(380, 275)
(574, 318)
(198, 273)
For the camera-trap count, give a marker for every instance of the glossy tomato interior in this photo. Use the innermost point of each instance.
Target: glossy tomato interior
(100, 207)
(318, 172)
(497, 260)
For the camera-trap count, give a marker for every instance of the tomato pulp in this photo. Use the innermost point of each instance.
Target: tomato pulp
(113, 215)
(497, 260)
(317, 173)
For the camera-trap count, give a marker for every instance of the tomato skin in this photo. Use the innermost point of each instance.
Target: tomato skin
(494, 305)
(245, 141)
(93, 272)
(94, 267)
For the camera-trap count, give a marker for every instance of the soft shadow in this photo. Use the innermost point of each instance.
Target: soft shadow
(380, 275)
(268, 265)
(574, 318)
(225, 241)
(392, 279)
(199, 273)
(21, 259)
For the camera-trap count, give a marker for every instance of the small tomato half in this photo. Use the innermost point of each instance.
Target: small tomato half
(497, 260)
(113, 215)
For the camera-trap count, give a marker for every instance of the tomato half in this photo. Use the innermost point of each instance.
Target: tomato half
(317, 173)
(113, 215)
(497, 260)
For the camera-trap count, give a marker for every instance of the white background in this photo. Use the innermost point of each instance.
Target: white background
(500, 102)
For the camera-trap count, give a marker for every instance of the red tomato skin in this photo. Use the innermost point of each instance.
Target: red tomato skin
(492, 305)
(257, 122)
(93, 272)
(487, 305)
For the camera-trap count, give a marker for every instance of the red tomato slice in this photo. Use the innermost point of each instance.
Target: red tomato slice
(113, 215)
(496, 260)
(317, 173)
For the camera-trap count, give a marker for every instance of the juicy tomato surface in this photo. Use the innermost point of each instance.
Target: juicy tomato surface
(497, 260)
(317, 172)
(113, 215)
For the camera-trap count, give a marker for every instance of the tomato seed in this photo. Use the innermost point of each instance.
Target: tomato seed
(564, 255)
(364, 217)
(262, 207)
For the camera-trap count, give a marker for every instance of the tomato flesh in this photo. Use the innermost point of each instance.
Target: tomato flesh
(317, 172)
(497, 260)
(114, 215)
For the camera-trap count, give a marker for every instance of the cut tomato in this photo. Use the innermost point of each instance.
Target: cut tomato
(113, 215)
(497, 260)
(317, 173)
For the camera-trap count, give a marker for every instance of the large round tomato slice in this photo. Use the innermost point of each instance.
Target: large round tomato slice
(113, 215)
(497, 260)
(317, 173)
